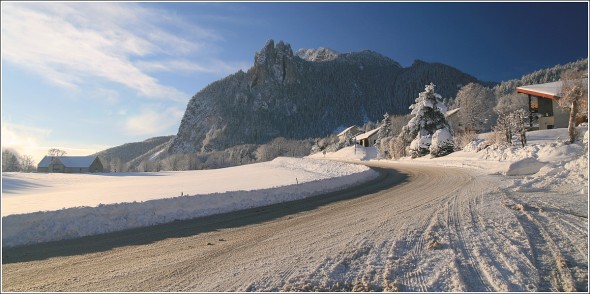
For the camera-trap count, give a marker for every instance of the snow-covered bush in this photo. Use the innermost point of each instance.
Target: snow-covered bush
(461, 139)
(442, 143)
(420, 146)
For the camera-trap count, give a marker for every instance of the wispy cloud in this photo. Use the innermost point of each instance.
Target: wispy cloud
(183, 65)
(153, 121)
(71, 44)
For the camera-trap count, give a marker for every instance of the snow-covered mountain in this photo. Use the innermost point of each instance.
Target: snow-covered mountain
(320, 54)
(305, 95)
(133, 153)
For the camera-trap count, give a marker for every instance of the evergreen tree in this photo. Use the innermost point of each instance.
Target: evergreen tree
(428, 117)
(383, 135)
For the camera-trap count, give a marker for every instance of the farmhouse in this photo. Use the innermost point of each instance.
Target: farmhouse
(367, 139)
(70, 164)
(348, 132)
(543, 105)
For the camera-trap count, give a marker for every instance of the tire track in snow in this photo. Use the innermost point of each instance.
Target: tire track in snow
(374, 237)
(551, 264)
(463, 250)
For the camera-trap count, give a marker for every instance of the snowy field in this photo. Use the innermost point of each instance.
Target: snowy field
(39, 207)
(495, 220)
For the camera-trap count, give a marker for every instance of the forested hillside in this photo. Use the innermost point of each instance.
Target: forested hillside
(128, 152)
(288, 102)
(283, 95)
(541, 76)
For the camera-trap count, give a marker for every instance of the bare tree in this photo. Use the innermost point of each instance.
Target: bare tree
(476, 103)
(10, 161)
(27, 163)
(55, 152)
(509, 124)
(511, 102)
(144, 166)
(574, 96)
(176, 162)
(117, 165)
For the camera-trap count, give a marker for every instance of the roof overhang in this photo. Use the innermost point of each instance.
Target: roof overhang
(547, 90)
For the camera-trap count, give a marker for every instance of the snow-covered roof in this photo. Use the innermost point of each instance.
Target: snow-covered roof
(451, 112)
(346, 130)
(367, 134)
(548, 90)
(68, 161)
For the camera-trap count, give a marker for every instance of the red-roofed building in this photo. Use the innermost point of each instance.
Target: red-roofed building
(543, 104)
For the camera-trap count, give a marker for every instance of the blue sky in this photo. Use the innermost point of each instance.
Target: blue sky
(87, 76)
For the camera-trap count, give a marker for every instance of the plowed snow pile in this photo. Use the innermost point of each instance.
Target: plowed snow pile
(46, 207)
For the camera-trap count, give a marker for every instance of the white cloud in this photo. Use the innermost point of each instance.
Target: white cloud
(213, 66)
(153, 121)
(71, 44)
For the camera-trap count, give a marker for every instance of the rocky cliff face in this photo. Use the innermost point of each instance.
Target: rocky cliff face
(309, 94)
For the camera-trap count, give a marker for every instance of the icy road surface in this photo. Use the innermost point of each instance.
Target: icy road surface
(424, 228)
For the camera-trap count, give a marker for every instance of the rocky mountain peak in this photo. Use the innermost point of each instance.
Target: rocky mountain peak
(271, 54)
(273, 63)
(317, 55)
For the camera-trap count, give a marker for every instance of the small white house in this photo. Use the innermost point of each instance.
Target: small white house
(367, 139)
(348, 132)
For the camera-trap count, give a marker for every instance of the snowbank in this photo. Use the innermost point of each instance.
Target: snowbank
(527, 166)
(350, 153)
(546, 162)
(43, 226)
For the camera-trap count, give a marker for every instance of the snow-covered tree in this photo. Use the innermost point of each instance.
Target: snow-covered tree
(574, 97)
(511, 102)
(385, 127)
(476, 103)
(428, 117)
(383, 135)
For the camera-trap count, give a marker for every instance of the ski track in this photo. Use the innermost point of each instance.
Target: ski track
(445, 229)
(561, 260)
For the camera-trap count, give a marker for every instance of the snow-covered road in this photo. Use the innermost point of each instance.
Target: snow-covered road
(437, 229)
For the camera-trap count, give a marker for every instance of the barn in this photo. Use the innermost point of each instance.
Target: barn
(70, 164)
